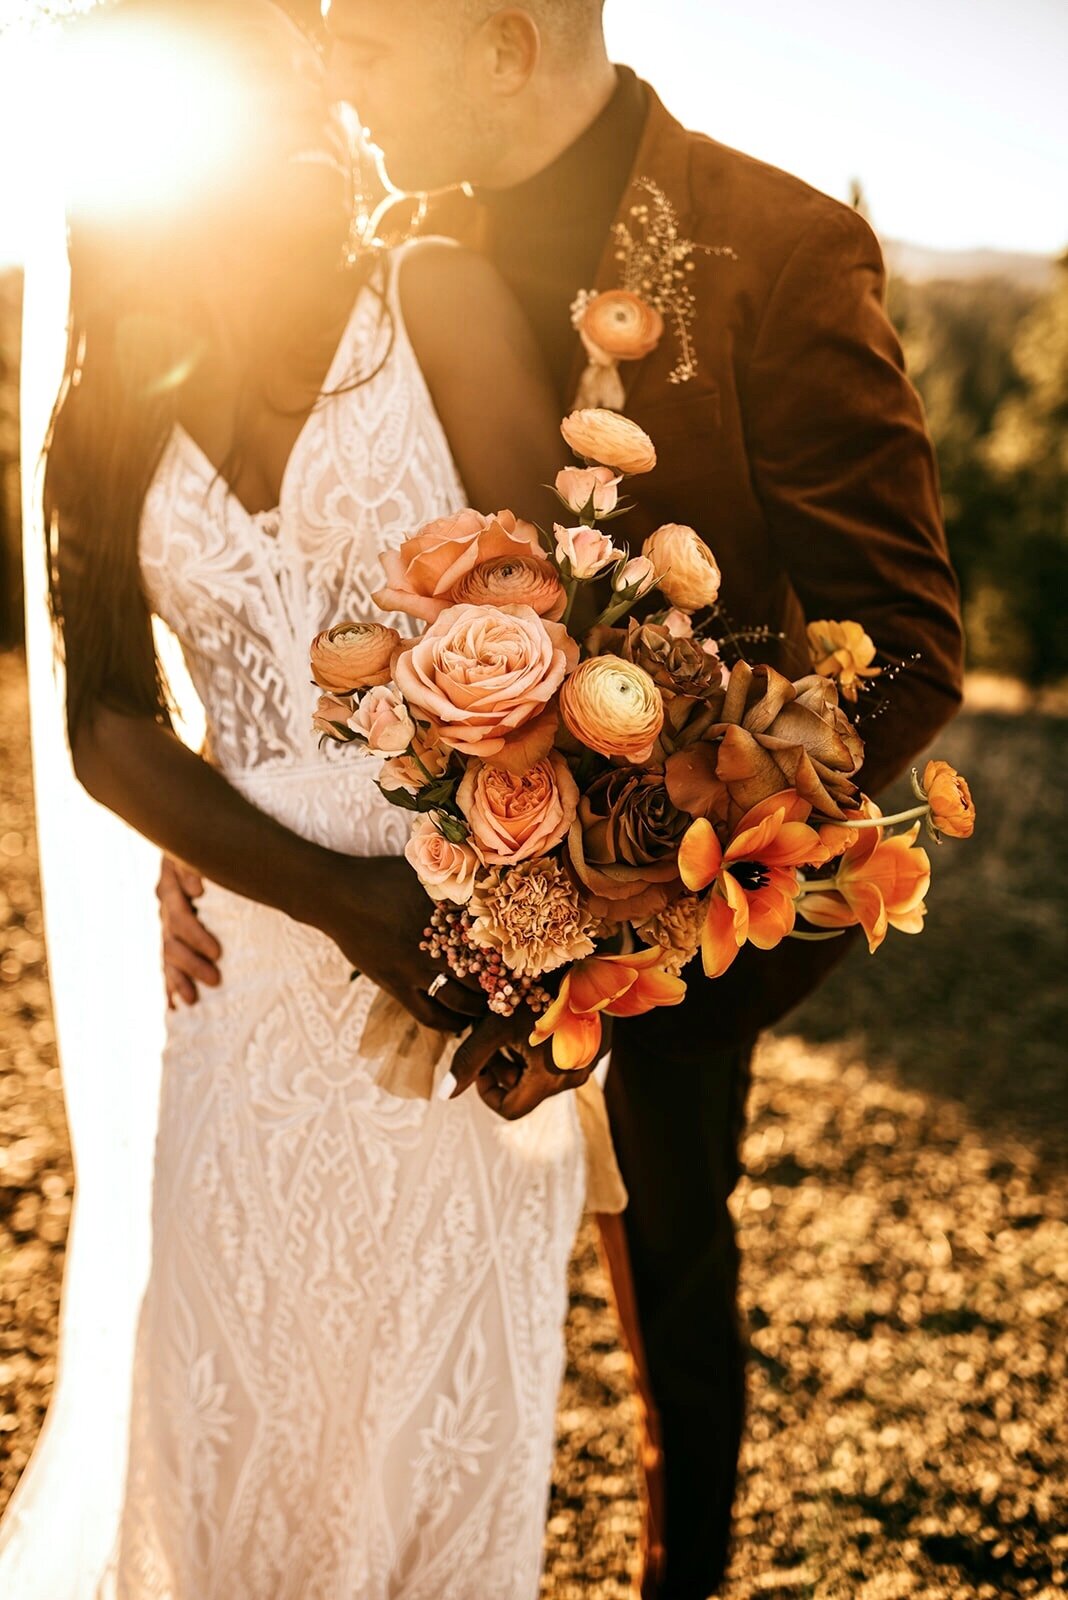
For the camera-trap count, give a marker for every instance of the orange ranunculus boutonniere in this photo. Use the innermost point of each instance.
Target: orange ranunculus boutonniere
(619, 986)
(946, 792)
(754, 881)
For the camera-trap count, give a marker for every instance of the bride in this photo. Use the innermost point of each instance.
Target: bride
(350, 1345)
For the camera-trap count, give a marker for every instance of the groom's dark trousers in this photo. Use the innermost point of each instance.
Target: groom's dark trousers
(788, 435)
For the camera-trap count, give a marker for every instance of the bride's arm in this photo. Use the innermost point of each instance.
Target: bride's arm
(487, 378)
(373, 907)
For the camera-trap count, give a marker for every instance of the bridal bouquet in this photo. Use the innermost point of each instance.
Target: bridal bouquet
(594, 806)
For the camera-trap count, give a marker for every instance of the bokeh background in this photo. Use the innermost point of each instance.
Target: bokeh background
(904, 1210)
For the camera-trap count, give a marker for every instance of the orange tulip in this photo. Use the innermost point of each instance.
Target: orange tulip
(618, 986)
(754, 881)
(881, 882)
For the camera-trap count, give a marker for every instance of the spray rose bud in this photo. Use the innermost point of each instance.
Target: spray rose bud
(678, 623)
(584, 488)
(611, 440)
(635, 578)
(382, 719)
(353, 655)
(587, 551)
(689, 572)
(330, 719)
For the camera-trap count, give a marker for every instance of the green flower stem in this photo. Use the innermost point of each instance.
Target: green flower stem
(571, 590)
(815, 885)
(816, 938)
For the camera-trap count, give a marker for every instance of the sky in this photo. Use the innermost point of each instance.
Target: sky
(951, 113)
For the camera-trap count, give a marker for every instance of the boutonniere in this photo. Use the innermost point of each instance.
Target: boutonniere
(627, 324)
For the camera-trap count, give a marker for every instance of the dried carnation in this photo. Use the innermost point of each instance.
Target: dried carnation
(533, 915)
(677, 930)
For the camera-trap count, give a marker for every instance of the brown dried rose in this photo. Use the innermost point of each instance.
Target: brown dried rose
(765, 734)
(676, 665)
(624, 845)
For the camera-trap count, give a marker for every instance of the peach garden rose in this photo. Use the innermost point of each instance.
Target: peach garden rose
(485, 678)
(423, 573)
(513, 816)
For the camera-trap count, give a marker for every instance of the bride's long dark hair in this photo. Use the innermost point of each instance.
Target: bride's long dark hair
(146, 299)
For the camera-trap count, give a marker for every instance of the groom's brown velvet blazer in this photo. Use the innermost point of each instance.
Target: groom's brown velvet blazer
(798, 450)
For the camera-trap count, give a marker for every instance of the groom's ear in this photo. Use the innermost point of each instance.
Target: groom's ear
(508, 46)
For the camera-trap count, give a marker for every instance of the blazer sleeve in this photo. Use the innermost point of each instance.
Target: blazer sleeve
(844, 468)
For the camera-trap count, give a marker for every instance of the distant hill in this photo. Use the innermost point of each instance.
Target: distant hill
(920, 264)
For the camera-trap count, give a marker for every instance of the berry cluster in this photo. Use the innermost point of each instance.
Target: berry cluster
(447, 938)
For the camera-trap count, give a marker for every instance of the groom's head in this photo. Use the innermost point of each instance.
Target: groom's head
(452, 88)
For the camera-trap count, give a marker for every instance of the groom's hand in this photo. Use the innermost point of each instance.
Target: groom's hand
(191, 952)
(516, 1083)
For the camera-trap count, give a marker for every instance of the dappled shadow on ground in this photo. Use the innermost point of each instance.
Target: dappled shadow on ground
(903, 1223)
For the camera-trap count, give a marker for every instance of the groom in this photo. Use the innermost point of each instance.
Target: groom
(788, 435)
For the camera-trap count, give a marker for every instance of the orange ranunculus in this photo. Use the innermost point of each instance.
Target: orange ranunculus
(513, 580)
(754, 881)
(618, 986)
(353, 655)
(610, 440)
(843, 651)
(614, 707)
(620, 325)
(880, 882)
(950, 800)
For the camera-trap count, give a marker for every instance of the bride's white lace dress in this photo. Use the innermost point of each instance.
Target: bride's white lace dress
(350, 1347)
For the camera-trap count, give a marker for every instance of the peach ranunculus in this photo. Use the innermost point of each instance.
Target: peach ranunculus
(843, 651)
(614, 707)
(382, 718)
(609, 440)
(617, 986)
(353, 655)
(422, 574)
(586, 551)
(514, 815)
(445, 867)
(620, 326)
(880, 881)
(514, 581)
(754, 881)
(950, 800)
(689, 574)
(761, 734)
(588, 491)
(484, 677)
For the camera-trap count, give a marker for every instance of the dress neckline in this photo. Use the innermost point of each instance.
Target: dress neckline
(214, 474)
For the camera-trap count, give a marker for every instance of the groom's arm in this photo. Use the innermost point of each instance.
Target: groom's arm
(843, 464)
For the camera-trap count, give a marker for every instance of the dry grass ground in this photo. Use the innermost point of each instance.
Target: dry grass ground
(903, 1221)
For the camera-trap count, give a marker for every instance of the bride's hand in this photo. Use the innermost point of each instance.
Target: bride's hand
(377, 913)
(511, 1084)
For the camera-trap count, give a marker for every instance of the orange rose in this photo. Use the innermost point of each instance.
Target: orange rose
(950, 800)
(609, 439)
(512, 815)
(513, 581)
(446, 868)
(620, 325)
(485, 677)
(353, 655)
(614, 707)
(423, 573)
(689, 572)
